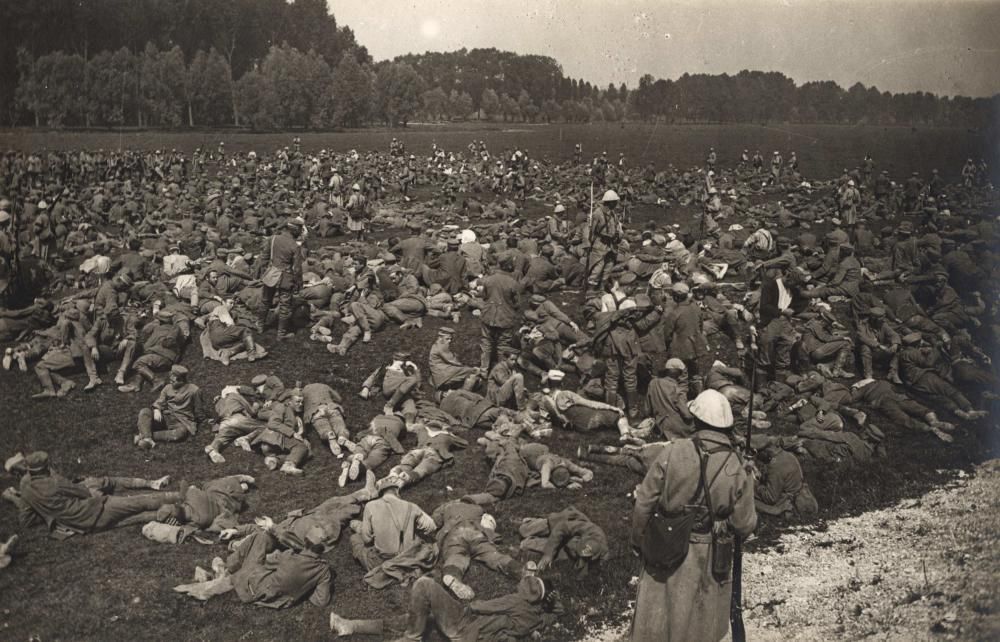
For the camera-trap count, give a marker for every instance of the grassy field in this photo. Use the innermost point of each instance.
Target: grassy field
(117, 586)
(823, 150)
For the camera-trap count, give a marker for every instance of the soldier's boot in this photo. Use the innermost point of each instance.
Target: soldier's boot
(394, 400)
(933, 420)
(212, 450)
(65, 385)
(839, 367)
(146, 375)
(291, 469)
(893, 375)
(250, 347)
(120, 376)
(632, 400)
(344, 627)
(866, 366)
(48, 388)
(283, 328)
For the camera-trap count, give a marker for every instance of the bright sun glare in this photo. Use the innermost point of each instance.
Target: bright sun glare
(430, 28)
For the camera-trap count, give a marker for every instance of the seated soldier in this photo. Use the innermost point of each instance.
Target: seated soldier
(505, 383)
(175, 414)
(783, 490)
(390, 530)
(399, 382)
(446, 371)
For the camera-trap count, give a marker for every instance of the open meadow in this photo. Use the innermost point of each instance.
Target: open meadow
(117, 585)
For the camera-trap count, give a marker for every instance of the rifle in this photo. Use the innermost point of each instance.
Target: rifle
(590, 239)
(736, 603)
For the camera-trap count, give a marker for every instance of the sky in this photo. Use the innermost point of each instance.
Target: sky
(948, 47)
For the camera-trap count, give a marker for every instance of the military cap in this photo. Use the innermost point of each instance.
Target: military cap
(384, 484)
(401, 356)
(674, 363)
(627, 278)
(446, 330)
(259, 380)
(537, 299)
(878, 312)
(559, 476)
(507, 350)
(556, 375)
(178, 370)
(165, 315)
(37, 461)
(680, 288)
(912, 338)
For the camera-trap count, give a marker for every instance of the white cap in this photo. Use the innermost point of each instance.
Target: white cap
(556, 375)
(609, 196)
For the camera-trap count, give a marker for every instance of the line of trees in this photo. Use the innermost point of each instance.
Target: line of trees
(242, 32)
(268, 64)
(755, 96)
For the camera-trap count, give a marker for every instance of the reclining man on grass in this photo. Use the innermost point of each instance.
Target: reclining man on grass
(70, 508)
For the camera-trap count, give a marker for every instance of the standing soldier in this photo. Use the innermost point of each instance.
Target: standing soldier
(776, 163)
(578, 154)
(501, 311)
(604, 234)
(705, 479)
(283, 276)
(850, 198)
(357, 212)
(758, 162)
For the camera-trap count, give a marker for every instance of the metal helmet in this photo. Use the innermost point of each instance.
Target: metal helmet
(711, 407)
(610, 196)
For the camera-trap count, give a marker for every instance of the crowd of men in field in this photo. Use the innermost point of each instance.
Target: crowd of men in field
(854, 308)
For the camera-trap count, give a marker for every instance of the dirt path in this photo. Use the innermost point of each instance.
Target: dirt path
(924, 569)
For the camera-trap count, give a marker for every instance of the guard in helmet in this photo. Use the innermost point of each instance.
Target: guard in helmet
(692, 601)
(604, 234)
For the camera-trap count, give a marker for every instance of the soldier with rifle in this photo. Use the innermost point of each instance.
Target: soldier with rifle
(694, 501)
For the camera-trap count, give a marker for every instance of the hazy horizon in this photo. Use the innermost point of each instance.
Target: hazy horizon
(947, 47)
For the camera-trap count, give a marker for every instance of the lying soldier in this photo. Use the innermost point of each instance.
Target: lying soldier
(468, 534)
(511, 617)
(212, 507)
(69, 508)
(569, 533)
(273, 568)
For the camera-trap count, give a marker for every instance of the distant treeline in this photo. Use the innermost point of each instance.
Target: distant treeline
(268, 64)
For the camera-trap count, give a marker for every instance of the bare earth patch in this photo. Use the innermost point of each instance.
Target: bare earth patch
(923, 569)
